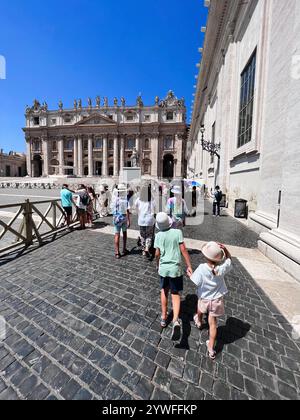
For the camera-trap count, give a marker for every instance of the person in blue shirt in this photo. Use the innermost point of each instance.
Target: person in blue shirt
(67, 203)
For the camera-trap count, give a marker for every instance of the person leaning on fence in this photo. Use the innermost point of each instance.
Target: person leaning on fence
(67, 203)
(82, 203)
(121, 218)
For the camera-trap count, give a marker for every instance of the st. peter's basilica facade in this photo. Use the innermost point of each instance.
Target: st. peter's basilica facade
(99, 139)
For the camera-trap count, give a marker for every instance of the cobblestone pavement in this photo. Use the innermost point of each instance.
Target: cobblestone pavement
(82, 325)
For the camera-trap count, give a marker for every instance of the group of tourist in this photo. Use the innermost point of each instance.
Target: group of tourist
(167, 245)
(169, 249)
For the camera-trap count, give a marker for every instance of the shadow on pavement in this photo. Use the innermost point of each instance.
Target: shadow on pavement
(233, 331)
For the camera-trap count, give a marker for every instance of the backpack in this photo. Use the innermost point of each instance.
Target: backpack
(85, 200)
(219, 196)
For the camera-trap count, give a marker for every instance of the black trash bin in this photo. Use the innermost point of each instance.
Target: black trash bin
(241, 209)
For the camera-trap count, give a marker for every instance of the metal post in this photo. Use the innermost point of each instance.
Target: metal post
(279, 205)
(54, 214)
(28, 222)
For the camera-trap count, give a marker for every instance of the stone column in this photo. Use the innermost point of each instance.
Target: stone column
(61, 155)
(45, 155)
(122, 152)
(90, 155)
(75, 156)
(154, 156)
(80, 156)
(116, 156)
(28, 156)
(138, 148)
(178, 148)
(105, 158)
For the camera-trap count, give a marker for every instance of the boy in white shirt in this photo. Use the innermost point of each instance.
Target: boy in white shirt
(209, 278)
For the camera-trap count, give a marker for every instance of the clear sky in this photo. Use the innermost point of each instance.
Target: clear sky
(75, 49)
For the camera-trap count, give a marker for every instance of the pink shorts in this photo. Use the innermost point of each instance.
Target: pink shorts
(214, 308)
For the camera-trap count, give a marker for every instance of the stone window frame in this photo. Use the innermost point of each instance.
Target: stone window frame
(147, 166)
(247, 101)
(98, 146)
(168, 114)
(167, 139)
(147, 144)
(129, 139)
(69, 145)
(54, 146)
(67, 118)
(36, 120)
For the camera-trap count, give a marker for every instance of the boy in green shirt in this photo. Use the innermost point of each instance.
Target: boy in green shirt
(170, 247)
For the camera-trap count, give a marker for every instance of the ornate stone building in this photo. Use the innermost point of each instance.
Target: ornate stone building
(247, 99)
(99, 139)
(12, 164)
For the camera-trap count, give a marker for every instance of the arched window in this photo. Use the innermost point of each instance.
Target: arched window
(147, 144)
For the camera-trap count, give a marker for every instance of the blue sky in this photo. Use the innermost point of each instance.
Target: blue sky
(76, 49)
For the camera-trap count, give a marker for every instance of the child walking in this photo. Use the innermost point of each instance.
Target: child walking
(146, 209)
(170, 247)
(209, 278)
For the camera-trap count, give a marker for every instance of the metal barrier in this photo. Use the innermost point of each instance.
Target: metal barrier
(32, 223)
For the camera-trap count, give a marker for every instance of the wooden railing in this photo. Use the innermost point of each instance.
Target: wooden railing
(29, 223)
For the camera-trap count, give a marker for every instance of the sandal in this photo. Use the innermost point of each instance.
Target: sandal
(163, 323)
(197, 321)
(118, 256)
(125, 252)
(211, 353)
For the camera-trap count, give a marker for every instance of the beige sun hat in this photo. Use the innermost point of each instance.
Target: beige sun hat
(163, 222)
(213, 252)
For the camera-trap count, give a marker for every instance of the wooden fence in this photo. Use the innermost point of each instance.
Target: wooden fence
(29, 223)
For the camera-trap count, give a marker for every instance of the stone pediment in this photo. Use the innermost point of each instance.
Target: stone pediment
(96, 120)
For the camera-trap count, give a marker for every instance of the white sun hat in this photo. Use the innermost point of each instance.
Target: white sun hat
(213, 252)
(163, 222)
(122, 187)
(176, 190)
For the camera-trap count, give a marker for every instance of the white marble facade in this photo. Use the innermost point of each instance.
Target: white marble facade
(98, 139)
(264, 34)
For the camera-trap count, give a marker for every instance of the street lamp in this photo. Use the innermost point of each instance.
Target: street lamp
(212, 148)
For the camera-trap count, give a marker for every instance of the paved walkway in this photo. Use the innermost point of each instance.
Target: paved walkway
(82, 325)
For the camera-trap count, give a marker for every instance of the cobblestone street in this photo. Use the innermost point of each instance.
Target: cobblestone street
(82, 325)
